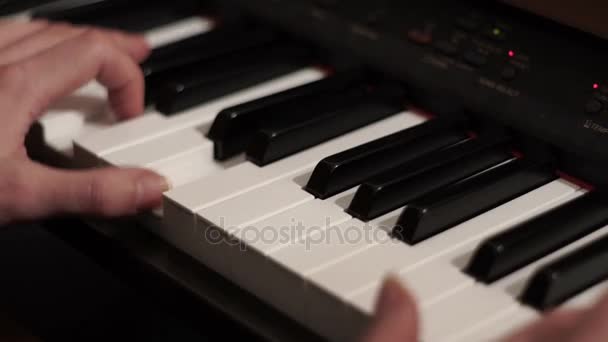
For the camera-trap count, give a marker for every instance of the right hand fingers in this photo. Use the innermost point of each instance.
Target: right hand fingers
(396, 318)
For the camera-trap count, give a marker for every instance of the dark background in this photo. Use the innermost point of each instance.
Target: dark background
(51, 290)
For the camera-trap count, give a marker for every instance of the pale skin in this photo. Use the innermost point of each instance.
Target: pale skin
(41, 62)
(397, 320)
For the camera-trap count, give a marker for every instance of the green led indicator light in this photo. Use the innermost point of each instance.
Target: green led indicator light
(496, 32)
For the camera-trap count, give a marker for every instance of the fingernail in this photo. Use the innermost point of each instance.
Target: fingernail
(150, 189)
(393, 298)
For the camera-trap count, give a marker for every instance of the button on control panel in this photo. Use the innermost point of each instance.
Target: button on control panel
(445, 47)
(475, 58)
(474, 42)
(593, 107)
(598, 101)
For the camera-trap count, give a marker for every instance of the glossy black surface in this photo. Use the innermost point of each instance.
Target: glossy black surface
(165, 61)
(405, 183)
(510, 250)
(346, 169)
(196, 83)
(568, 276)
(326, 117)
(234, 128)
(454, 204)
(129, 15)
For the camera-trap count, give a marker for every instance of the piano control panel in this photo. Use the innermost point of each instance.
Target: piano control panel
(483, 58)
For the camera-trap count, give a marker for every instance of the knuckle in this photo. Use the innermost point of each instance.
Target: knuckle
(97, 43)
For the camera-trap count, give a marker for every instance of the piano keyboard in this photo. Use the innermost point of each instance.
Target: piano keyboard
(86, 111)
(307, 187)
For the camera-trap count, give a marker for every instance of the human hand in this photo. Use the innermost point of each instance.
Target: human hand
(396, 317)
(41, 62)
(397, 320)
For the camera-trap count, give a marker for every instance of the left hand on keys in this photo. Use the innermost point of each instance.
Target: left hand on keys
(397, 320)
(41, 62)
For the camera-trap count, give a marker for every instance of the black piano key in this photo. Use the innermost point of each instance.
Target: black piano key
(128, 15)
(401, 185)
(234, 128)
(220, 41)
(216, 47)
(519, 246)
(461, 201)
(195, 84)
(570, 275)
(325, 118)
(349, 168)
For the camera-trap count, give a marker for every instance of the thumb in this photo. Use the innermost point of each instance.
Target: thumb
(30, 191)
(396, 315)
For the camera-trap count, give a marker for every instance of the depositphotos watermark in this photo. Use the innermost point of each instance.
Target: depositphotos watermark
(296, 232)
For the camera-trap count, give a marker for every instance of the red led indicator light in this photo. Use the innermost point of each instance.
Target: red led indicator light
(595, 85)
(511, 53)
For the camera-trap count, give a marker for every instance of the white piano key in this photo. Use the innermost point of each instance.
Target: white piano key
(154, 125)
(187, 167)
(159, 149)
(512, 285)
(227, 218)
(368, 266)
(426, 284)
(178, 30)
(498, 329)
(431, 280)
(509, 286)
(238, 212)
(123, 134)
(363, 271)
(466, 309)
(342, 240)
(444, 322)
(69, 117)
(59, 127)
(294, 225)
(242, 178)
(439, 277)
(181, 157)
